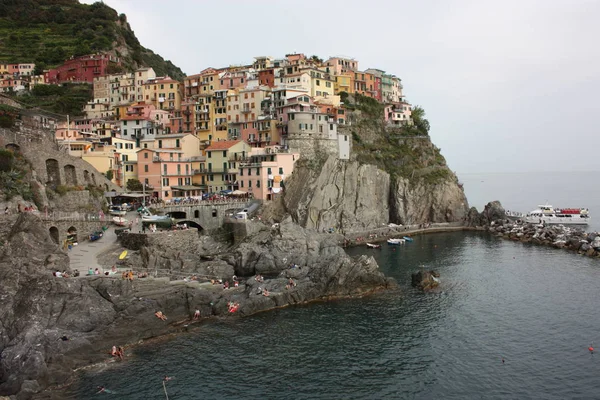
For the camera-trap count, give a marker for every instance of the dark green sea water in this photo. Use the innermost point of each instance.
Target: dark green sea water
(538, 308)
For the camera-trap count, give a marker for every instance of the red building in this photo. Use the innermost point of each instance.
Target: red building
(82, 69)
(267, 77)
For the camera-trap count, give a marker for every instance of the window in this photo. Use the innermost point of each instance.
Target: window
(214, 212)
(330, 127)
(209, 154)
(160, 144)
(345, 138)
(269, 171)
(177, 143)
(258, 183)
(224, 153)
(124, 131)
(165, 181)
(166, 194)
(249, 172)
(146, 168)
(280, 170)
(146, 155)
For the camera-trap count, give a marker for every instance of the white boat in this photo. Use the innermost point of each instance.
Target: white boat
(567, 216)
(373, 246)
(117, 211)
(120, 221)
(395, 241)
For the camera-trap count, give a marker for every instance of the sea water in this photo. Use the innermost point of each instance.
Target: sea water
(535, 307)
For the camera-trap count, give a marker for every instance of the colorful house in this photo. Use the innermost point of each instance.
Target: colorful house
(167, 167)
(219, 171)
(82, 69)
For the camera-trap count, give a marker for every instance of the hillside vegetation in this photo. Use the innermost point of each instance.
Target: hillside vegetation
(405, 151)
(49, 31)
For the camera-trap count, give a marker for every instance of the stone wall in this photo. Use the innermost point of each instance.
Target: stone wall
(83, 228)
(311, 147)
(180, 241)
(45, 155)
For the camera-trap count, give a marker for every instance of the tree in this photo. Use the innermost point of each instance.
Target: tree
(134, 185)
(109, 175)
(418, 117)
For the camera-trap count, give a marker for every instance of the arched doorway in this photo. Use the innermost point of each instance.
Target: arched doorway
(177, 214)
(70, 175)
(192, 224)
(54, 234)
(86, 176)
(13, 147)
(53, 172)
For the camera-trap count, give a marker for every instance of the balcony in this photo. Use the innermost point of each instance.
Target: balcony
(176, 174)
(265, 139)
(216, 171)
(245, 110)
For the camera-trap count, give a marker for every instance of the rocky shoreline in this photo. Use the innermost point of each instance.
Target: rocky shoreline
(94, 313)
(494, 220)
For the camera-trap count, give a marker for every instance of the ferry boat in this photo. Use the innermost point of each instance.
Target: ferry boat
(566, 216)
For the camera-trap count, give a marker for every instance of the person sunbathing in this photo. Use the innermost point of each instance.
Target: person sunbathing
(160, 315)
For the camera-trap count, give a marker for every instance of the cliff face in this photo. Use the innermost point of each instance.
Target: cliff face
(343, 195)
(352, 198)
(420, 202)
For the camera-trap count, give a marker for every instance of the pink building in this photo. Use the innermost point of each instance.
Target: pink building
(264, 172)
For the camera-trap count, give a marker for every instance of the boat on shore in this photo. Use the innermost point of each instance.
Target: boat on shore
(118, 211)
(395, 241)
(547, 214)
(120, 221)
(373, 246)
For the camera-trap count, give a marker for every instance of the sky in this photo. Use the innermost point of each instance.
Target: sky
(507, 86)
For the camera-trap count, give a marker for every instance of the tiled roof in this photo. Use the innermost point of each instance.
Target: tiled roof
(222, 145)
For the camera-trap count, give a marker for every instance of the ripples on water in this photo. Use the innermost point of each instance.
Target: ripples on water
(536, 307)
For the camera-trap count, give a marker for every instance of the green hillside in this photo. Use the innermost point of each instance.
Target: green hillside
(49, 31)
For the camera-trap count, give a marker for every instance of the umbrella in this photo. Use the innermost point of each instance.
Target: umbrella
(238, 192)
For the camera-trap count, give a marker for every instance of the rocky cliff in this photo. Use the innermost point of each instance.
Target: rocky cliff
(38, 310)
(395, 174)
(355, 197)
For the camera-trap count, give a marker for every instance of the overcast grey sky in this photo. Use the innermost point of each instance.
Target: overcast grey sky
(507, 86)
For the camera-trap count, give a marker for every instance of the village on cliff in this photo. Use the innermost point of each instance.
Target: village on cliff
(234, 129)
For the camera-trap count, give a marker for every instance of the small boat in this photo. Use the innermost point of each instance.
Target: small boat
(373, 246)
(395, 241)
(120, 221)
(117, 211)
(408, 239)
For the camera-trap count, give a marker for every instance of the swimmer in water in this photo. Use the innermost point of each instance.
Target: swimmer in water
(167, 378)
(502, 360)
(101, 389)
(591, 349)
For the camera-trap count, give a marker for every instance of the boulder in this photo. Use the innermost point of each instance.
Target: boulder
(425, 280)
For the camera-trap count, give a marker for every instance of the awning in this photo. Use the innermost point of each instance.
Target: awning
(185, 188)
(238, 192)
(276, 190)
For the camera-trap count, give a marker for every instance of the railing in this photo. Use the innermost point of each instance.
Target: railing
(176, 174)
(73, 216)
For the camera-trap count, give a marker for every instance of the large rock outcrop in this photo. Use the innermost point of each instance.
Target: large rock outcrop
(420, 202)
(38, 310)
(354, 197)
(492, 211)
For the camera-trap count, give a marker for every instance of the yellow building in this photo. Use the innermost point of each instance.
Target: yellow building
(344, 83)
(125, 159)
(165, 93)
(219, 170)
(102, 157)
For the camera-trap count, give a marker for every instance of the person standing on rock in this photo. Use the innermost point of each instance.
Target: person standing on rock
(196, 315)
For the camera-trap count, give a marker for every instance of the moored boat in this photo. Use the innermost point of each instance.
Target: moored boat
(373, 246)
(567, 216)
(153, 218)
(408, 239)
(120, 221)
(117, 211)
(395, 241)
